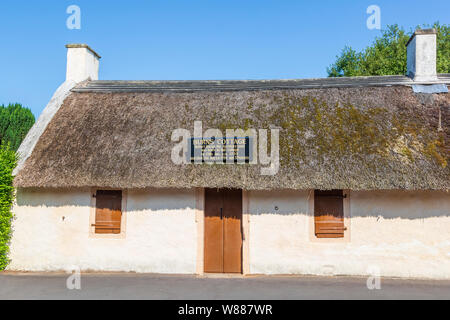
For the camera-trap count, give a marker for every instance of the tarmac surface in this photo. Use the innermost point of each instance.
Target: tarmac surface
(14, 286)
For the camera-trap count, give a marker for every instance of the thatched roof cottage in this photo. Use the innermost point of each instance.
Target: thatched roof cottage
(358, 176)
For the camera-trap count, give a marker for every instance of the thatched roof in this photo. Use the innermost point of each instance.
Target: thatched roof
(358, 133)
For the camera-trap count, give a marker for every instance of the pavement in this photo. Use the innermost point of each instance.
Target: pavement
(16, 286)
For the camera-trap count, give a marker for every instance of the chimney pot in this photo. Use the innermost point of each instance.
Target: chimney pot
(82, 63)
(421, 56)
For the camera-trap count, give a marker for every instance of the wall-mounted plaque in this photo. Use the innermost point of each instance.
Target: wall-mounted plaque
(220, 150)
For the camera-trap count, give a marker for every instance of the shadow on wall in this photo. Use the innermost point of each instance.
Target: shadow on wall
(388, 204)
(53, 197)
(137, 200)
(401, 204)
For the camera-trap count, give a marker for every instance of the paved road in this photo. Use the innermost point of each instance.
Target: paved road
(132, 286)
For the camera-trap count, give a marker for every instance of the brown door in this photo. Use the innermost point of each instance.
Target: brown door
(223, 231)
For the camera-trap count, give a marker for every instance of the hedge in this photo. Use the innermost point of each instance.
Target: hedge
(8, 161)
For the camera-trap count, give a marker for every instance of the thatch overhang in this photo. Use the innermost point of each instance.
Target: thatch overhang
(350, 133)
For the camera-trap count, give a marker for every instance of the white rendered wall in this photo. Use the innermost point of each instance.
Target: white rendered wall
(404, 234)
(51, 233)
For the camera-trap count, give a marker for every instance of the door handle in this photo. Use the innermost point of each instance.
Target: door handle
(221, 213)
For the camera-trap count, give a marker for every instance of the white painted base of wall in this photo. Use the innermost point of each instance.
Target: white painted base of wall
(51, 233)
(402, 234)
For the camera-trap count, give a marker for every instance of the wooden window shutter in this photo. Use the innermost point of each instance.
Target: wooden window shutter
(108, 212)
(329, 214)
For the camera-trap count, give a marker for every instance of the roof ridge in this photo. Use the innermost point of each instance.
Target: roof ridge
(248, 85)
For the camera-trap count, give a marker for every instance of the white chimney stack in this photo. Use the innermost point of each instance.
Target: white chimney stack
(421, 56)
(82, 63)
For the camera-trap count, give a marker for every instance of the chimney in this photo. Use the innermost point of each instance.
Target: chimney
(421, 56)
(82, 63)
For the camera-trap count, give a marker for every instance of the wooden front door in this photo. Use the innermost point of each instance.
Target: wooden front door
(223, 231)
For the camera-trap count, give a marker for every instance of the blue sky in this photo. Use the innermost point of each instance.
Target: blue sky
(188, 40)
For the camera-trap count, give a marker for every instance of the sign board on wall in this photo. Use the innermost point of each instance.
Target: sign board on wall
(220, 150)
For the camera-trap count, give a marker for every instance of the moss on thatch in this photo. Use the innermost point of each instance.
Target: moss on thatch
(343, 138)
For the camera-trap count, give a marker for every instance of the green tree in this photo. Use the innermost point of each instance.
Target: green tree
(8, 160)
(15, 122)
(387, 55)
